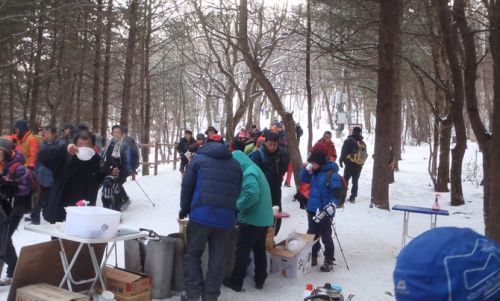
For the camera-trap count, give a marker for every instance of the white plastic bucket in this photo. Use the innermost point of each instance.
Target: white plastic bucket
(91, 222)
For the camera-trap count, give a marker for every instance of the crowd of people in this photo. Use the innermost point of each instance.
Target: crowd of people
(45, 171)
(237, 184)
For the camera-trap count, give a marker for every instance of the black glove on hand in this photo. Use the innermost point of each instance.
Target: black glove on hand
(9, 188)
(107, 187)
(183, 214)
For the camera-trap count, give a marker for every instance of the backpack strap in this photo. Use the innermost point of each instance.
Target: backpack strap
(329, 174)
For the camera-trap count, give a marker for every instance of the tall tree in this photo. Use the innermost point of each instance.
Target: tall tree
(390, 12)
(37, 68)
(451, 46)
(269, 90)
(97, 68)
(487, 142)
(106, 71)
(308, 77)
(129, 63)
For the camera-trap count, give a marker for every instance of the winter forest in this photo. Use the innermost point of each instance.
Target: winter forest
(411, 72)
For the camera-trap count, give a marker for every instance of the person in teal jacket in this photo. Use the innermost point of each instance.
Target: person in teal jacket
(255, 216)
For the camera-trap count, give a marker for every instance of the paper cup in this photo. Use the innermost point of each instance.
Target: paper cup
(276, 209)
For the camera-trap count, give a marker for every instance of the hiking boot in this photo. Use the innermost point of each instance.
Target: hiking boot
(288, 185)
(352, 199)
(6, 281)
(314, 261)
(259, 286)
(327, 265)
(231, 285)
(185, 298)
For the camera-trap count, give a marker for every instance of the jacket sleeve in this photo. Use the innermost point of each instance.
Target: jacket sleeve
(336, 189)
(347, 148)
(182, 146)
(334, 153)
(249, 193)
(33, 149)
(23, 181)
(188, 185)
(305, 176)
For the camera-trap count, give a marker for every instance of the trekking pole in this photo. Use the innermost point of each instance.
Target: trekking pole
(147, 196)
(340, 246)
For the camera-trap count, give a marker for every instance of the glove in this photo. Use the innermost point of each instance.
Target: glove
(9, 188)
(183, 214)
(107, 187)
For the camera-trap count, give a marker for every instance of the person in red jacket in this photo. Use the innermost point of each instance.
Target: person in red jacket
(26, 142)
(326, 146)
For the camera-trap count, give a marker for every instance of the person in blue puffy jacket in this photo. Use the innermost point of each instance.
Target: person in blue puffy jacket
(326, 188)
(210, 187)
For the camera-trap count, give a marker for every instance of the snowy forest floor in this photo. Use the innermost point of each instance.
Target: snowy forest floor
(371, 238)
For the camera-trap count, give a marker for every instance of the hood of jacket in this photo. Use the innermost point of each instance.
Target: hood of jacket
(215, 150)
(330, 165)
(243, 159)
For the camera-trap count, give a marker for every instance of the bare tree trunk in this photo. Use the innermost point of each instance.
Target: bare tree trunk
(97, 67)
(147, 107)
(308, 78)
(37, 68)
(129, 63)
(450, 39)
(389, 38)
(443, 177)
(328, 108)
(107, 67)
(397, 119)
(85, 46)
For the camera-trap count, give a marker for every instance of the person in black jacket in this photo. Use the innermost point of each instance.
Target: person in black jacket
(210, 188)
(352, 166)
(183, 147)
(273, 160)
(77, 179)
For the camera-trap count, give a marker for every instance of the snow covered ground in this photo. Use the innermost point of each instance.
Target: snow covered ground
(371, 238)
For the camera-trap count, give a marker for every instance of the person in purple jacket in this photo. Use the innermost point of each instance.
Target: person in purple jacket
(15, 193)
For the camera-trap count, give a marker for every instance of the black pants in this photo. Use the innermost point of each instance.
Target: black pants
(218, 245)
(14, 218)
(41, 204)
(184, 163)
(322, 229)
(352, 170)
(251, 238)
(276, 196)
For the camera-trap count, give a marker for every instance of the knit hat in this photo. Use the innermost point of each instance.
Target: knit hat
(200, 137)
(448, 263)
(216, 138)
(211, 128)
(356, 130)
(318, 157)
(237, 145)
(6, 145)
(22, 126)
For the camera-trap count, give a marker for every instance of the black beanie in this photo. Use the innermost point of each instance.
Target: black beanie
(356, 130)
(22, 126)
(318, 157)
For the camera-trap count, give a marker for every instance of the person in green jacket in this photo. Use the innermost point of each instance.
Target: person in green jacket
(255, 216)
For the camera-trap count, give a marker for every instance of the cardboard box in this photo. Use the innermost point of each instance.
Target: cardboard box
(46, 292)
(292, 264)
(270, 238)
(125, 283)
(146, 296)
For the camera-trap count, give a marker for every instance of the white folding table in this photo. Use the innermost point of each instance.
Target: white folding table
(55, 230)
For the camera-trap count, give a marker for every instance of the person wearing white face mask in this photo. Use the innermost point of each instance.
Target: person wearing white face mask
(78, 178)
